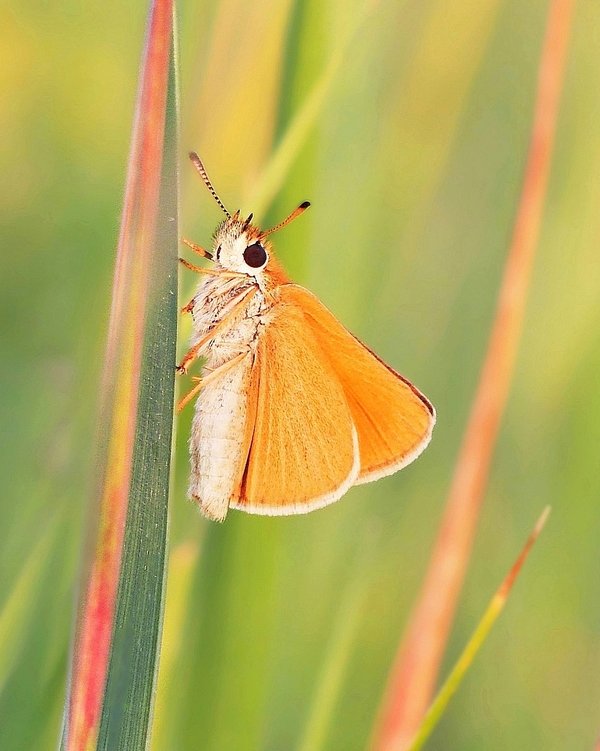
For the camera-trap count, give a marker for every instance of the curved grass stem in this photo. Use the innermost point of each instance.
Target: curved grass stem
(416, 666)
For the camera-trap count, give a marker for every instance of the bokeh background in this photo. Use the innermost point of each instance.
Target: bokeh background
(421, 116)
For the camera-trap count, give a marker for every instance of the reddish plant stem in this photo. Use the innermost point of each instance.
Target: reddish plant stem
(120, 386)
(416, 666)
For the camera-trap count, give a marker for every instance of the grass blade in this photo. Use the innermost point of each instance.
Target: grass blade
(300, 126)
(417, 663)
(337, 656)
(496, 606)
(120, 610)
(182, 563)
(16, 611)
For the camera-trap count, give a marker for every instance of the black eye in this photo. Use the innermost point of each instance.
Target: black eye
(255, 255)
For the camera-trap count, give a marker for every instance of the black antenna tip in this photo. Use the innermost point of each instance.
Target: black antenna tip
(304, 205)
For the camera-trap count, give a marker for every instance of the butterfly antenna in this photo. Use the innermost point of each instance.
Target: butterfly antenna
(197, 162)
(295, 213)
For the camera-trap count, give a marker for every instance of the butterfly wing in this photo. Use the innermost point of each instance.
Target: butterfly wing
(392, 418)
(303, 448)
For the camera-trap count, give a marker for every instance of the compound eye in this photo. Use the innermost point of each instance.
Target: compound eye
(255, 255)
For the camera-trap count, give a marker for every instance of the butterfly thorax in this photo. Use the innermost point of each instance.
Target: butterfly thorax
(215, 301)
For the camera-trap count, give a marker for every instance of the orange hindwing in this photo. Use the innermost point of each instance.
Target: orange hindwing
(392, 418)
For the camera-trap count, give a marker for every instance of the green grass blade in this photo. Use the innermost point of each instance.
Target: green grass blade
(134, 655)
(337, 656)
(15, 613)
(182, 561)
(496, 606)
(115, 652)
(300, 126)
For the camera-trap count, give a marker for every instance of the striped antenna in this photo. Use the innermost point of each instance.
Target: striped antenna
(295, 213)
(197, 162)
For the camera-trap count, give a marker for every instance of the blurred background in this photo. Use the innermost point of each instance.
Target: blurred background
(421, 115)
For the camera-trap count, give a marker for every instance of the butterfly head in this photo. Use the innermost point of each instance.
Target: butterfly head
(239, 245)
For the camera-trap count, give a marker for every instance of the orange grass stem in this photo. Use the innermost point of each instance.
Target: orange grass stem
(416, 666)
(119, 397)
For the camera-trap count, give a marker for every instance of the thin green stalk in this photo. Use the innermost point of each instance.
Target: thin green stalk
(458, 672)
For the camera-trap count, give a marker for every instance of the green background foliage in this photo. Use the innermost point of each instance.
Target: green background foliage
(412, 158)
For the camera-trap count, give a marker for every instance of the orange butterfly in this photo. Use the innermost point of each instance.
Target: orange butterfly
(292, 409)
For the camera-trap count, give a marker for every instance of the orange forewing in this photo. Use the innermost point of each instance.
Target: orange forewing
(392, 418)
(303, 451)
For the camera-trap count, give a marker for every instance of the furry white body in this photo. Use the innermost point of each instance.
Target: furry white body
(219, 423)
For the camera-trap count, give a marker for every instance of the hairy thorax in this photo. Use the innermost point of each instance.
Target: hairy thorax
(214, 302)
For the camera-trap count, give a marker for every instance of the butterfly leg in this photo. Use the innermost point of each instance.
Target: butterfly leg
(197, 248)
(194, 351)
(190, 394)
(190, 266)
(212, 272)
(190, 306)
(201, 382)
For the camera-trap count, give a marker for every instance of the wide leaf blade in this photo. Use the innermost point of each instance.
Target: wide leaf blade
(120, 610)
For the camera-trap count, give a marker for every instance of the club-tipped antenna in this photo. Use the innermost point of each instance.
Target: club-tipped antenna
(295, 213)
(197, 162)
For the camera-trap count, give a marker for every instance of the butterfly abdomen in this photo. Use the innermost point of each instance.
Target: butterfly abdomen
(218, 437)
